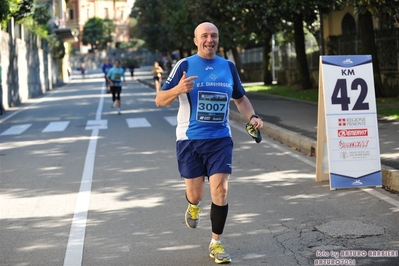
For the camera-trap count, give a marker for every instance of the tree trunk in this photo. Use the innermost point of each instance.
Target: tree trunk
(302, 61)
(267, 49)
(237, 61)
(369, 48)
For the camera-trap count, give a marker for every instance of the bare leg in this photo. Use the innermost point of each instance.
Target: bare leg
(195, 189)
(219, 188)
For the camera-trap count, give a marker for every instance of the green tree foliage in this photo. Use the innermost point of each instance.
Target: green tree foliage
(240, 23)
(19, 9)
(168, 24)
(26, 8)
(259, 22)
(378, 8)
(149, 15)
(56, 46)
(298, 14)
(227, 16)
(4, 11)
(34, 17)
(38, 23)
(98, 32)
(387, 11)
(179, 26)
(42, 14)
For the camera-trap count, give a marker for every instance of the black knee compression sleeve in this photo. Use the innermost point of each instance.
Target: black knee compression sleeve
(218, 218)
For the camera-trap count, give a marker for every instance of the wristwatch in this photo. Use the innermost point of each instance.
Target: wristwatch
(254, 115)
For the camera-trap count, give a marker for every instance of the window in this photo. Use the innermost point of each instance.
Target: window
(71, 14)
(106, 12)
(348, 25)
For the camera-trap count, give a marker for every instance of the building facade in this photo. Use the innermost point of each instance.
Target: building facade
(78, 12)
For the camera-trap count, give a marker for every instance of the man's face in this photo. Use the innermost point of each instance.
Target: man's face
(207, 40)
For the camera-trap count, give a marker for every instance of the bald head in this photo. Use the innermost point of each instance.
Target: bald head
(206, 38)
(204, 25)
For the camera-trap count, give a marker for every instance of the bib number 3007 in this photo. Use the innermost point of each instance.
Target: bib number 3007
(340, 94)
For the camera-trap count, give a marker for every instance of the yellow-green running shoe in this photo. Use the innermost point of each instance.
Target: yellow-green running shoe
(192, 215)
(216, 251)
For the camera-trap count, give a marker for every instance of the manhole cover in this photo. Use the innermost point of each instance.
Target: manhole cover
(350, 229)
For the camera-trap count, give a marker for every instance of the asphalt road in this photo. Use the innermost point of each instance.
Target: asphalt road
(81, 185)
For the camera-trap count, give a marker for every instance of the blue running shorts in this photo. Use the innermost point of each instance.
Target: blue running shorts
(204, 157)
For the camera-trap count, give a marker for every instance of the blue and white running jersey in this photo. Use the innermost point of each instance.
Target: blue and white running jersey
(204, 112)
(116, 75)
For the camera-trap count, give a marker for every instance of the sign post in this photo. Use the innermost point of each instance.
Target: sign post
(347, 123)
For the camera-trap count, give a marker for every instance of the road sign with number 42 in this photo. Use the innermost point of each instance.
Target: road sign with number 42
(350, 112)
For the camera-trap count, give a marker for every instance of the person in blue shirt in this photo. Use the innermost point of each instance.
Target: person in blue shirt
(116, 77)
(105, 68)
(204, 83)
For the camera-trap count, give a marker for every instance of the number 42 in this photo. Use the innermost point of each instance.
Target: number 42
(340, 94)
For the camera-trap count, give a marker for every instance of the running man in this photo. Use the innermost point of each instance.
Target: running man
(204, 83)
(115, 77)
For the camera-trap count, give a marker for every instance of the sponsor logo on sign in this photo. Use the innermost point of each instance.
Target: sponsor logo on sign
(359, 132)
(353, 144)
(341, 122)
(360, 154)
(352, 121)
(343, 155)
(354, 155)
(357, 183)
(347, 61)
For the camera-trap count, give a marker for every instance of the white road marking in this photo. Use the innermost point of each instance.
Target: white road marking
(60, 126)
(382, 197)
(74, 251)
(96, 124)
(172, 120)
(16, 130)
(56, 126)
(137, 122)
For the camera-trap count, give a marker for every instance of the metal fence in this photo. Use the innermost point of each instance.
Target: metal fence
(283, 57)
(387, 42)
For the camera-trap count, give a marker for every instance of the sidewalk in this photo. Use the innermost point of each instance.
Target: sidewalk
(294, 123)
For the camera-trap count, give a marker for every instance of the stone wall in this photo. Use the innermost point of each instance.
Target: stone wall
(27, 69)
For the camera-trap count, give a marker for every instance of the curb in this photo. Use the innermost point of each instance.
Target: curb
(308, 146)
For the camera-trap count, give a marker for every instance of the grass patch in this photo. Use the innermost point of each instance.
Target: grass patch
(392, 113)
(385, 106)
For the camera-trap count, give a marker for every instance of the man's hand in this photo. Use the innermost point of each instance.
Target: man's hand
(256, 123)
(186, 84)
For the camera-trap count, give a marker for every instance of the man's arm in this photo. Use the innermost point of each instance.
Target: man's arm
(245, 108)
(108, 77)
(123, 78)
(166, 97)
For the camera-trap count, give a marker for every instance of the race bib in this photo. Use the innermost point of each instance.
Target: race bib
(212, 106)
